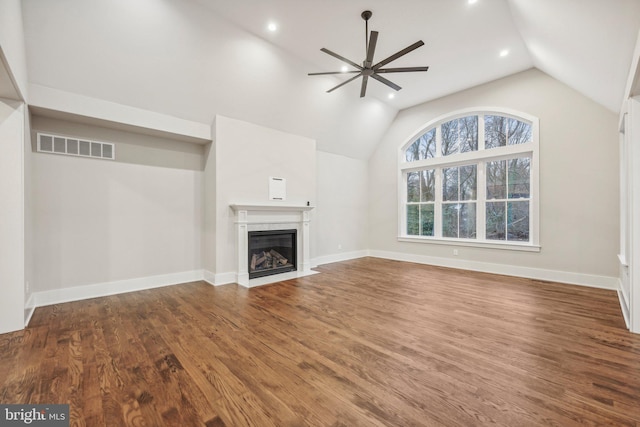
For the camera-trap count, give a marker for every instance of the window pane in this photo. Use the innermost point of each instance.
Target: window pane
(468, 220)
(497, 180)
(450, 184)
(428, 144)
(428, 185)
(518, 221)
(450, 220)
(495, 131)
(413, 224)
(423, 148)
(413, 152)
(426, 219)
(519, 132)
(496, 225)
(519, 178)
(468, 182)
(468, 133)
(449, 137)
(413, 187)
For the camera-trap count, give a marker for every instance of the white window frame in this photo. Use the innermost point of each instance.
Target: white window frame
(479, 157)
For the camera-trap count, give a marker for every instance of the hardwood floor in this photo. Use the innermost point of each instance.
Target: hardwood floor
(368, 342)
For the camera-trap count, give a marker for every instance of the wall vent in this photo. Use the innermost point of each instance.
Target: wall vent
(75, 147)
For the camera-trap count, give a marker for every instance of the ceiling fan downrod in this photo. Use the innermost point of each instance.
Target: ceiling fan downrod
(366, 15)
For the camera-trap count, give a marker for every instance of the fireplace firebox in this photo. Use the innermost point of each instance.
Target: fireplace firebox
(271, 252)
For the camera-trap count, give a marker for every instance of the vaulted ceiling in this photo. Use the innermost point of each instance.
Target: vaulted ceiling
(193, 59)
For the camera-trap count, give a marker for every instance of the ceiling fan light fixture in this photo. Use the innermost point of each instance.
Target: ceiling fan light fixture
(368, 68)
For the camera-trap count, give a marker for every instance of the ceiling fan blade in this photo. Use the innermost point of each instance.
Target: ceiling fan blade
(333, 72)
(363, 88)
(401, 69)
(398, 54)
(373, 40)
(344, 83)
(341, 58)
(385, 81)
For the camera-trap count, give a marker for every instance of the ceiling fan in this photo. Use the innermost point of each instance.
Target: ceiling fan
(368, 69)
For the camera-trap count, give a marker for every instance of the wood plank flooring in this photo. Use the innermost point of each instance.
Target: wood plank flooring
(368, 342)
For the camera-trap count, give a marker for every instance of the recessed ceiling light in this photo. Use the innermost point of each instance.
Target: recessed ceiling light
(473, 1)
(272, 26)
(392, 95)
(504, 52)
(344, 69)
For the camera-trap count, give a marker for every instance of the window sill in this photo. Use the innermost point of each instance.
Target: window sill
(510, 246)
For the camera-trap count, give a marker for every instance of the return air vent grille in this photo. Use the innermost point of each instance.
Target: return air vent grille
(75, 147)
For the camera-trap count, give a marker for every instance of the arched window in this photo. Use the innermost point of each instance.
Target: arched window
(471, 178)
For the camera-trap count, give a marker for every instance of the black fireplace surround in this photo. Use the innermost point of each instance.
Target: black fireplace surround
(272, 252)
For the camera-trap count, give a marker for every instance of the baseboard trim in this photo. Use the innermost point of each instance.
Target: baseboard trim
(589, 280)
(29, 308)
(345, 256)
(58, 296)
(624, 304)
(225, 278)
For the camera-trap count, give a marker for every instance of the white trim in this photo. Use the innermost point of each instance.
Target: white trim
(225, 278)
(209, 277)
(507, 152)
(219, 279)
(623, 260)
(5, 69)
(588, 280)
(504, 245)
(632, 87)
(624, 303)
(267, 280)
(343, 256)
(58, 296)
(77, 293)
(29, 308)
(275, 206)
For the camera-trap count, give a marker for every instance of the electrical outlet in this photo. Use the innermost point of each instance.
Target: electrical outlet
(455, 252)
(27, 286)
(339, 245)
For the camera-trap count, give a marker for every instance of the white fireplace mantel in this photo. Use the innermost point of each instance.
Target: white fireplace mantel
(271, 216)
(271, 207)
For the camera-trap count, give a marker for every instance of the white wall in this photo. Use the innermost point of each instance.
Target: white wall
(578, 183)
(210, 212)
(195, 65)
(342, 214)
(12, 255)
(246, 156)
(12, 42)
(101, 221)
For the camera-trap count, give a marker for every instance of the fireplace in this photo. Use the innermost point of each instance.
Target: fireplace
(272, 217)
(271, 252)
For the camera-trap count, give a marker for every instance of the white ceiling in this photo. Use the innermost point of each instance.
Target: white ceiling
(193, 59)
(587, 44)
